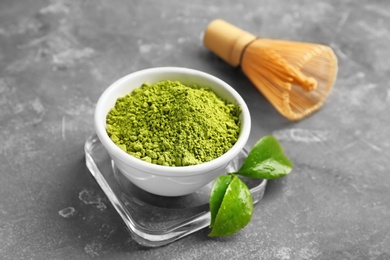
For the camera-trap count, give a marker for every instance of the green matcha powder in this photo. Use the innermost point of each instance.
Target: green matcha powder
(172, 124)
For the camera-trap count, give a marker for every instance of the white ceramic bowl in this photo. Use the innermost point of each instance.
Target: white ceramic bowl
(168, 180)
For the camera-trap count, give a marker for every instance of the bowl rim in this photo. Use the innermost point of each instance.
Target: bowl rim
(173, 171)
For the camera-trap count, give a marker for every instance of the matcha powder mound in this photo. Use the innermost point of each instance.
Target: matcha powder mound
(172, 124)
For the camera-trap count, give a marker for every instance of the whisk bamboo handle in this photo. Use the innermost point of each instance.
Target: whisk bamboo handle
(227, 41)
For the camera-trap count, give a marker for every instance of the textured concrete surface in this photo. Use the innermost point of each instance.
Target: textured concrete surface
(56, 58)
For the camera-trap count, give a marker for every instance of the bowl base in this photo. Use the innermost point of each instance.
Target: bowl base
(151, 219)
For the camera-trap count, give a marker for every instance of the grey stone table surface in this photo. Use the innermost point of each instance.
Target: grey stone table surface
(57, 57)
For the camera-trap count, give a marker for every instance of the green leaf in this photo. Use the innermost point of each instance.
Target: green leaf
(235, 210)
(231, 203)
(266, 160)
(217, 193)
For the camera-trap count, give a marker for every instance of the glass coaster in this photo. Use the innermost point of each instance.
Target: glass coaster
(151, 219)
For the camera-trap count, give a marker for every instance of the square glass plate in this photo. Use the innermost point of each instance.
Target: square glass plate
(156, 220)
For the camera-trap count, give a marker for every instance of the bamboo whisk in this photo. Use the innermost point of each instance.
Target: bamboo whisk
(295, 77)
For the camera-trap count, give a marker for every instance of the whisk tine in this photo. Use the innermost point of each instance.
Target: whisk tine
(278, 66)
(296, 77)
(262, 76)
